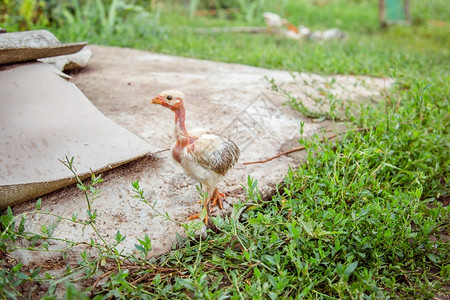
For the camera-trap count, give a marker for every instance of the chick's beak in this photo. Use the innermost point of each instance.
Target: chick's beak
(157, 100)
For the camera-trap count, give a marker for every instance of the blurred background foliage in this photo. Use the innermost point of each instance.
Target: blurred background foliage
(418, 51)
(113, 14)
(421, 50)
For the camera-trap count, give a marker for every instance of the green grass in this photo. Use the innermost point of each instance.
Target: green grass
(366, 217)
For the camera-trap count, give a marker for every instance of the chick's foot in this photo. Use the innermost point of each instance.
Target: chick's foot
(217, 199)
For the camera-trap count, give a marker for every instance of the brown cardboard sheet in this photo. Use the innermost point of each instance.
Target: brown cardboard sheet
(43, 119)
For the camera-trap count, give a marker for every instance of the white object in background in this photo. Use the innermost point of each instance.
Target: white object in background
(73, 61)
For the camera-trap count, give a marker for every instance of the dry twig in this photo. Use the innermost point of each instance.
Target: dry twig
(100, 277)
(300, 148)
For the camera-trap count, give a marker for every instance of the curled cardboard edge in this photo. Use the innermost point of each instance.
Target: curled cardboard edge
(18, 193)
(24, 46)
(8, 56)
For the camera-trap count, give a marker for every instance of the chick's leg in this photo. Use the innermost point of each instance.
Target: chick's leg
(206, 204)
(217, 198)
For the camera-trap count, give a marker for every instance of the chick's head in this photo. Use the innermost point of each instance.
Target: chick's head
(171, 99)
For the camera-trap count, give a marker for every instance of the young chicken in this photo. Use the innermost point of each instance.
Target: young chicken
(274, 21)
(204, 157)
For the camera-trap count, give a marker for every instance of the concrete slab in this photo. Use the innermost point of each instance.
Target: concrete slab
(30, 45)
(231, 99)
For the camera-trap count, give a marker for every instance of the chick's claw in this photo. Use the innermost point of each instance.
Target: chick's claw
(193, 217)
(217, 199)
(196, 216)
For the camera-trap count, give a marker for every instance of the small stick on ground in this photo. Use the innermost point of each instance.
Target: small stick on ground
(100, 277)
(300, 148)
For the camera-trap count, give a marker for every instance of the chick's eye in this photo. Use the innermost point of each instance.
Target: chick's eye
(169, 97)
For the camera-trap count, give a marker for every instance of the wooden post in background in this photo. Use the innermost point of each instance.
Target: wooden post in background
(407, 12)
(382, 13)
